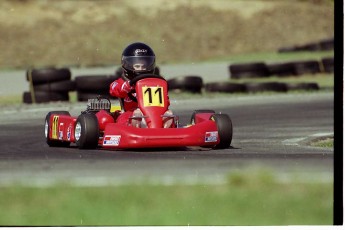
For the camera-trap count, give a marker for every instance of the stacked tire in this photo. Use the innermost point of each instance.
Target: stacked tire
(294, 68)
(91, 86)
(192, 84)
(322, 45)
(328, 64)
(249, 70)
(283, 69)
(225, 87)
(48, 84)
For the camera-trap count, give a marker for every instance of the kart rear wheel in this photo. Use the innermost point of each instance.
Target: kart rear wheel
(224, 126)
(50, 142)
(192, 120)
(86, 131)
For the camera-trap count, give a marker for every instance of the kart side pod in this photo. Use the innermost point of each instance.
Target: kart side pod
(104, 118)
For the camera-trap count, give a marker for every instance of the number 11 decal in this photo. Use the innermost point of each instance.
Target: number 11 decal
(153, 96)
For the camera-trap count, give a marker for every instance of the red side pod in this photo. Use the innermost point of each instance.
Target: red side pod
(104, 118)
(62, 127)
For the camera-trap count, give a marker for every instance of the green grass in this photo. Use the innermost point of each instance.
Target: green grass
(325, 143)
(247, 199)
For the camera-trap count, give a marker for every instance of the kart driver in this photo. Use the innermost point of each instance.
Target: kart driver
(137, 58)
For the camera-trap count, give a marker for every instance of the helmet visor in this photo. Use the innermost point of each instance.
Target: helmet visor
(139, 64)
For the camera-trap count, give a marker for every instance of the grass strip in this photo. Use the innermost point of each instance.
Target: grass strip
(247, 199)
(324, 143)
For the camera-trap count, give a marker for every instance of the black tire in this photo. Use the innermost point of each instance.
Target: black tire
(94, 83)
(50, 142)
(248, 70)
(308, 47)
(191, 84)
(225, 87)
(192, 119)
(303, 86)
(327, 44)
(48, 75)
(61, 86)
(286, 49)
(86, 131)
(281, 69)
(224, 125)
(328, 64)
(45, 97)
(306, 67)
(266, 86)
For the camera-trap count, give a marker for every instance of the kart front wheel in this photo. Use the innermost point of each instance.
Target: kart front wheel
(224, 126)
(47, 125)
(86, 131)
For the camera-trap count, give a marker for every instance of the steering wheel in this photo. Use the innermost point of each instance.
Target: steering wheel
(138, 78)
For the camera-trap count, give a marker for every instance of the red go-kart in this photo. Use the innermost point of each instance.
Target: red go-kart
(97, 127)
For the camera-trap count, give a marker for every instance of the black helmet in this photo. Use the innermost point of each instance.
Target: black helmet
(138, 58)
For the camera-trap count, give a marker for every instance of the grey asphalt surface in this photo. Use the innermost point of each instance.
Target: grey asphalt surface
(270, 133)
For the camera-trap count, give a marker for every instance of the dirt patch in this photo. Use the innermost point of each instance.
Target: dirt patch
(38, 33)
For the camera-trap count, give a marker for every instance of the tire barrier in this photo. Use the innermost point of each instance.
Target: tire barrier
(91, 86)
(306, 67)
(322, 45)
(281, 69)
(48, 84)
(249, 70)
(225, 87)
(291, 68)
(265, 86)
(192, 84)
(327, 64)
(54, 84)
(249, 87)
(302, 86)
(295, 68)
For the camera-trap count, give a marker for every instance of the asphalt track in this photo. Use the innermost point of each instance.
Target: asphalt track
(270, 133)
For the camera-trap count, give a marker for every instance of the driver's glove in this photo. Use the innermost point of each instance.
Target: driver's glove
(126, 87)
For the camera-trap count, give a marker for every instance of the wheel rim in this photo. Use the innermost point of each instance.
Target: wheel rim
(77, 131)
(46, 128)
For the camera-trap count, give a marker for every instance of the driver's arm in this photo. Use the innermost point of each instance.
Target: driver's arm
(120, 88)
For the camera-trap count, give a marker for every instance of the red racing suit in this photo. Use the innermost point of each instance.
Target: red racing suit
(120, 90)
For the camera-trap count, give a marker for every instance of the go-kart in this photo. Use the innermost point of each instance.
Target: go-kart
(96, 126)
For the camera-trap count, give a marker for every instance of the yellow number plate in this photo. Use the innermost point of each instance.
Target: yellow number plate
(153, 96)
